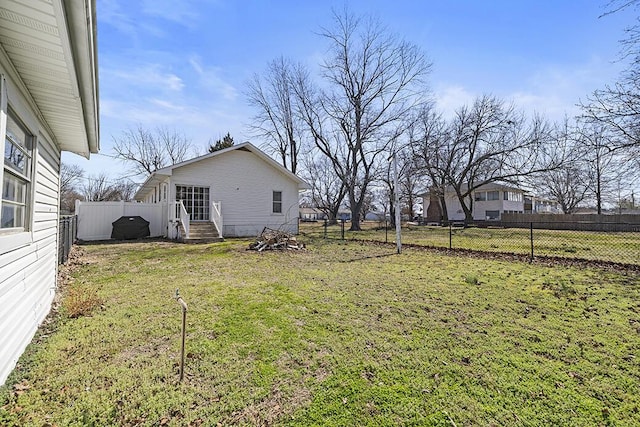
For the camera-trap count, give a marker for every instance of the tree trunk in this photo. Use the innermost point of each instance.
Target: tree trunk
(443, 207)
(468, 210)
(333, 215)
(356, 207)
(392, 210)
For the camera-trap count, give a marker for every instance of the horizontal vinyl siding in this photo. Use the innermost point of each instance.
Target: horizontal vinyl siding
(244, 184)
(28, 274)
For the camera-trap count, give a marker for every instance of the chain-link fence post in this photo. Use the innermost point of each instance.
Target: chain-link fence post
(386, 231)
(60, 241)
(531, 238)
(450, 236)
(325, 227)
(342, 223)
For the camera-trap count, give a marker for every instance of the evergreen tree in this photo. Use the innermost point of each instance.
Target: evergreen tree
(221, 144)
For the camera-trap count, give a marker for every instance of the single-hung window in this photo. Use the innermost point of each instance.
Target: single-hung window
(277, 202)
(16, 177)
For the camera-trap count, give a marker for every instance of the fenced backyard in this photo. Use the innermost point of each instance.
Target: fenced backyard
(343, 333)
(534, 239)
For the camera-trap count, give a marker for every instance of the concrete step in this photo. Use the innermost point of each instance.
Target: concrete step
(203, 240)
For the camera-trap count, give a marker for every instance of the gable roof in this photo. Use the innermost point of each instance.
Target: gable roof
(161, 174)
(48, 48)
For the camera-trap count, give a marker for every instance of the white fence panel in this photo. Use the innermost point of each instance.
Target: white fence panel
(95, 218)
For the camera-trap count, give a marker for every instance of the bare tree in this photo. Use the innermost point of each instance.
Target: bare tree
(276, 121)
(70, 179)
(490, 142)
(605, 167)
(617, 106)
(126, 189)
(99, 188)
(369, 205)
(430, 147)
(148, 151)
(568, 184)
(327, 190)
(372, 81)
(409, 182)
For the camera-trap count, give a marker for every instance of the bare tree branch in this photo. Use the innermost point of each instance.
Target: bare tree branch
(277, 121)
(148, 151)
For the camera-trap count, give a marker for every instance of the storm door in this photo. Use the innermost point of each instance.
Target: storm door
(196, 201)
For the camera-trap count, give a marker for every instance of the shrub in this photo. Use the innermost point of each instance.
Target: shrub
(80, 301)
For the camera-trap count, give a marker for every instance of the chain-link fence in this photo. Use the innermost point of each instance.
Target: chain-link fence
(67, 230)
(620, 243)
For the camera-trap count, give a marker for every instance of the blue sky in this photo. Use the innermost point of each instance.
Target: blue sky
(184, 64)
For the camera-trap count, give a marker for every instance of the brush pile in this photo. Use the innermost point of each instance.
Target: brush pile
(271, 239)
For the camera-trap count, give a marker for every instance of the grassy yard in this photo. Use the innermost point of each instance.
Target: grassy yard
(342, 334)
(601, 246)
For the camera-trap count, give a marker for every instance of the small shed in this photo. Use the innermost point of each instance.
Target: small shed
(130, 227)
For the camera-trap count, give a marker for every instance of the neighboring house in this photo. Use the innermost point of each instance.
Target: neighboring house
(534, 204)
(344, 215)
(48, 103)
(311, 214)
(489, 202)
(375, 216)
(238, 190)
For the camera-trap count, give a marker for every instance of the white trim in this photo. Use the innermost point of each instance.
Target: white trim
(3, 129)
(273, 201)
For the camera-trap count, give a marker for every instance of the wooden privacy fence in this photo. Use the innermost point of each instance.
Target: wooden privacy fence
(576, 222)
(95, 218)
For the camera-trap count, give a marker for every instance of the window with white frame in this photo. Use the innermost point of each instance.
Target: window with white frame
(277, 202)
(493, 195)
(16, 178)
(513, 196)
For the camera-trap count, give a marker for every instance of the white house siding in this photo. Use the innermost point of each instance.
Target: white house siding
(454, 208)
(28, 272)
(244, 184)
(95, 218)
(49, 80)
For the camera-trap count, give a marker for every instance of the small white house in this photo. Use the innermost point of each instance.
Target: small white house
(488, 202)
(238, 190)
(48, 103)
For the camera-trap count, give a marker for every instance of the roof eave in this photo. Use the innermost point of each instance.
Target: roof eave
(82, 33)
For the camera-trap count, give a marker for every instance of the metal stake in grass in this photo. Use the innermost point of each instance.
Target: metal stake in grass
(184, 329)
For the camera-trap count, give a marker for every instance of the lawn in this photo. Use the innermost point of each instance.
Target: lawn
(623, 247)
(341, 334)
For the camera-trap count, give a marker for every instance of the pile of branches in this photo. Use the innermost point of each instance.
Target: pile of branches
(271, 239)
